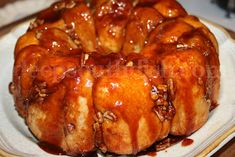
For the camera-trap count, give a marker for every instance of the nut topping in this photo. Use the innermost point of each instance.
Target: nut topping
(99, 117)
(77, 42)
(103, 148)
(162, 88)
(70, 127)
(200, 81)
(154, 93)
(59, 6)
(208, 101)
(163, 106)
(38, 34)
(97, 126)
(62, 5)
(41, 91)
(171, 89)
(98, 133)
(129, 64)
(164, 144)
(110, 116)
(160, 111)
(99, 137)
(36, 23)
(164, 112)
(70, 4)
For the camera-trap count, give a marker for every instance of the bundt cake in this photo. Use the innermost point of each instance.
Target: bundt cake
(114, 75)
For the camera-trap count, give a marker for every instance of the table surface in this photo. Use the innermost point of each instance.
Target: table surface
(228, 150)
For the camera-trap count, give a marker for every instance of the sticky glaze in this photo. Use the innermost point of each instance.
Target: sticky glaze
(66, 34)
(186, 142)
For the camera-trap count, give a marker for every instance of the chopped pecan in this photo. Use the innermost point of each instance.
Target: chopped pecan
(164, 112)
(208, 101)
(154, 93)
(70, 4)
(59, 6)
(171, 111)
(110, 116)
(64, 5)
(99, 117)
(38, 34)
(70, 127)
(40, 91)
(163, 144)
(99, 137)
(36, 23)
(163, 106)
(129, 64)
(98, 133)
(103, 148)
(160, 111)
(171, 89)
(77, 42)
(200, 81)
(162, 88)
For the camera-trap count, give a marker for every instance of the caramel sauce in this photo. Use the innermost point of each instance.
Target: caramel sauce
(152, 154)
(146, 3)
(213, 106)
(170, 140)
(151, 151)
(186, 142)
(133, 129)
(49, 15)
(51, 149)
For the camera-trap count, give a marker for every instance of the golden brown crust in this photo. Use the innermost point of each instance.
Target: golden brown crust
(79, 112)
(111, 18)
(170, 8)
(142, 21)
(135, 117)
(81, 21)
(117, 75)
(187, 69)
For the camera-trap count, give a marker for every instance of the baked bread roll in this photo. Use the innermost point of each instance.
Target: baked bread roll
(115, 75)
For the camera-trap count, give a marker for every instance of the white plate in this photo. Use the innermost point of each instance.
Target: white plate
(17, 140)
(17, 10)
